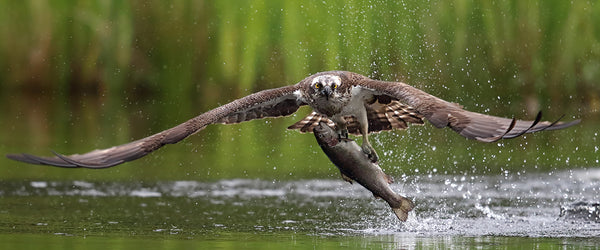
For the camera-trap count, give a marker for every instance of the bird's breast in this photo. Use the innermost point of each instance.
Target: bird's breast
(329, 106)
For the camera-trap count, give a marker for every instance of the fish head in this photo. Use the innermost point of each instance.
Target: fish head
(326, 136)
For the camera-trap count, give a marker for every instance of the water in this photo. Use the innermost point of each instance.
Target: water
(149, 71)
(486, 211)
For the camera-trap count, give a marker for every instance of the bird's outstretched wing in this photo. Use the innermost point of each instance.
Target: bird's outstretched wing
(442, 114)
(268, 103)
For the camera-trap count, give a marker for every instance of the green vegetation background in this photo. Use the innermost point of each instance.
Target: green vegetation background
(80, 75)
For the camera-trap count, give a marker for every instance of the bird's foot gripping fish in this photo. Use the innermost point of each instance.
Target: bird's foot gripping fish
(355, 165)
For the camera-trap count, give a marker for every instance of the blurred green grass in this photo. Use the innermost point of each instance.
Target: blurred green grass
(79, 75)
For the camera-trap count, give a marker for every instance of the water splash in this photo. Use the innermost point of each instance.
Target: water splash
(510, 204)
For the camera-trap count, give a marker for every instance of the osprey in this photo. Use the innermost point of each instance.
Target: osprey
(350, 102)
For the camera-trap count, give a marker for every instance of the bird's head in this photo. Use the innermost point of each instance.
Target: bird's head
(326, 85)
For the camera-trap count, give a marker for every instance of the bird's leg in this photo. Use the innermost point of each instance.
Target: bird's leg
(343, 133)
(366, 146)
(364, 130)
(341, 128)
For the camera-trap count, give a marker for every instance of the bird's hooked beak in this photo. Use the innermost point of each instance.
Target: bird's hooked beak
(326, 91)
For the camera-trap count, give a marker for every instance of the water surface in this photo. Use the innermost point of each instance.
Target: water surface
(452, 210)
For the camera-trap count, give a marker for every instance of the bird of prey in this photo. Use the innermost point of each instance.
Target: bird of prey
(349, 102)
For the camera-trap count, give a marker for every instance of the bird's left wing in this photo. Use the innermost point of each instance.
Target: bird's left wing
(267, 103)
(442, 114)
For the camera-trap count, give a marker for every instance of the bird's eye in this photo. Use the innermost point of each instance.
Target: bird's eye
(335, 86)
(318, 85)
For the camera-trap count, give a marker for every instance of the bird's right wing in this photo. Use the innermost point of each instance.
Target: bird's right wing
(267, 103)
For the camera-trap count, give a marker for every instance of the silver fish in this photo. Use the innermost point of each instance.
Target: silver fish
(355, 165)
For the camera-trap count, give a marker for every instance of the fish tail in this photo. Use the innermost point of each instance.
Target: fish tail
(405, 206)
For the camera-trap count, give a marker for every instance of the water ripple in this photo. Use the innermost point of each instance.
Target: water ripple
(533, 205)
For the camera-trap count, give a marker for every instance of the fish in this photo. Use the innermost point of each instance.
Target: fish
(355, 165)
